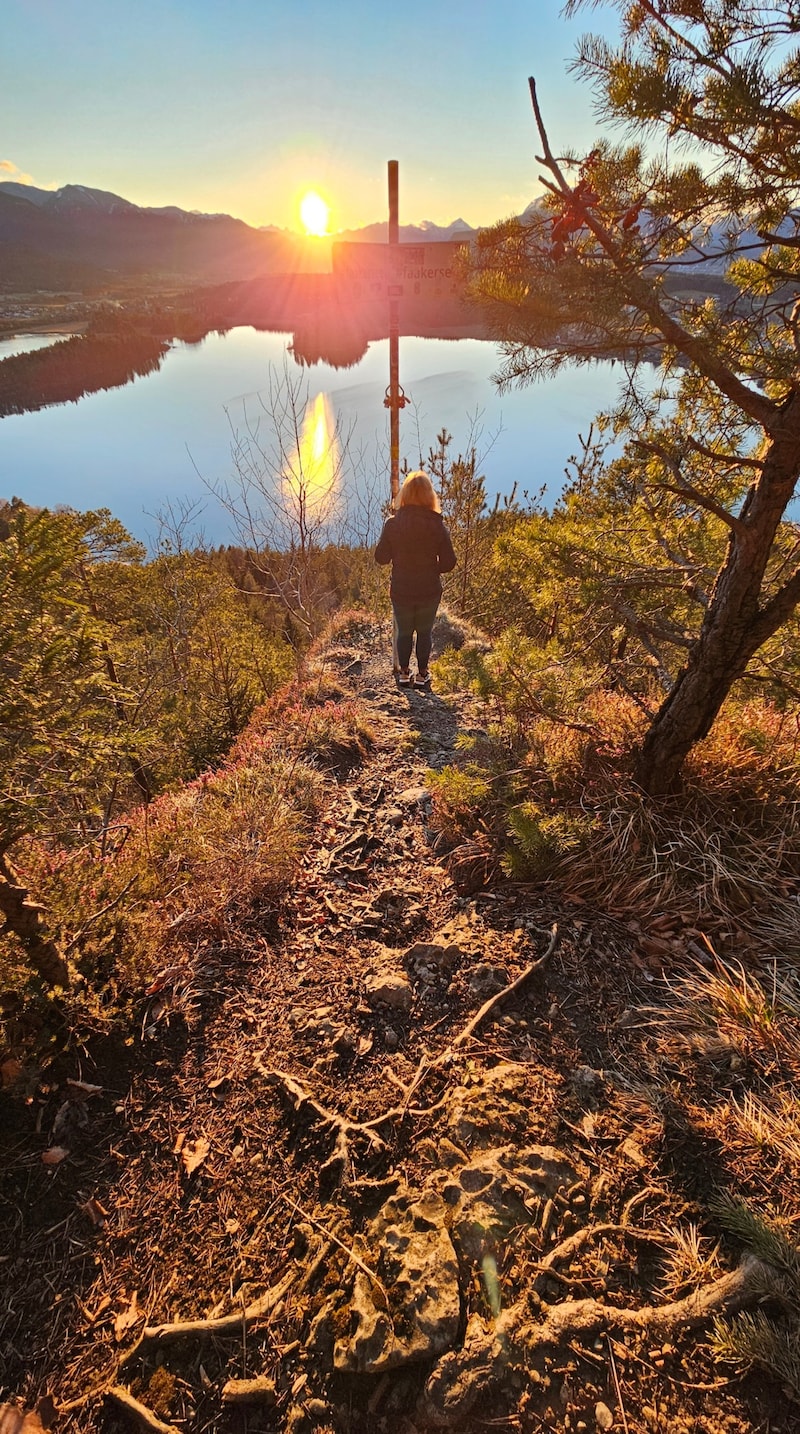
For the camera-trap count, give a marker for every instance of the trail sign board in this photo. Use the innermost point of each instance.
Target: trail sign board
(398, 271)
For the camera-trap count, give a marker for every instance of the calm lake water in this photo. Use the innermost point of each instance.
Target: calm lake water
(164, 437)
(26, 343)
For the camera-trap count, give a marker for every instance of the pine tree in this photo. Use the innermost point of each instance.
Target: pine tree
(607, 267)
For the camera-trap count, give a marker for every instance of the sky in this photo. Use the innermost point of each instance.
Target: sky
(241, 106)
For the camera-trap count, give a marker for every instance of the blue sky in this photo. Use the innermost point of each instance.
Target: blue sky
(240, 106)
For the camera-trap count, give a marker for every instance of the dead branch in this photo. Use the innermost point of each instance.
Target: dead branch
(503, 995)
(143, 1417)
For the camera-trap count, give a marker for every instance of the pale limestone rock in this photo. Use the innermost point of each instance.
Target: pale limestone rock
(489, 1195)
(419, 1270)
(441, 956)
(489, 1110)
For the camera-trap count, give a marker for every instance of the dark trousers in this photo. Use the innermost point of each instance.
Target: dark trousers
(410, 618)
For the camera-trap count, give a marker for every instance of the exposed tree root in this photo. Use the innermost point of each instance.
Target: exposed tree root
(158, 1335)
(464, 1375)
(249, 1391)
(338, 1168)
(143, 1417)
(502, 995)
(569, 1247)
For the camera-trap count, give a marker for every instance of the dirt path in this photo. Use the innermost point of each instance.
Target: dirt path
(408, 1220)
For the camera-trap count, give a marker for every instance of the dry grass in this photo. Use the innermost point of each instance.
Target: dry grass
(693, 1260)
(773, 1129)
(757, 1016)
(200, 864)
(721, 861)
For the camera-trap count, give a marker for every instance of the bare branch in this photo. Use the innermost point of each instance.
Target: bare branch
(761, 409)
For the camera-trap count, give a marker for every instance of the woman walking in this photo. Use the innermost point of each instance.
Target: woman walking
(417, 544)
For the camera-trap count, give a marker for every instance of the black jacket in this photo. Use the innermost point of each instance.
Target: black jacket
(417, 544)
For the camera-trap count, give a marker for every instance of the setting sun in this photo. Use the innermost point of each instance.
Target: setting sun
(314, 213)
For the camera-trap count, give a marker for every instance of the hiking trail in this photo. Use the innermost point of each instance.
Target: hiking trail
(390, 1168)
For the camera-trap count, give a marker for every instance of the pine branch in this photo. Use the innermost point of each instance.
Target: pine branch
(762, 410)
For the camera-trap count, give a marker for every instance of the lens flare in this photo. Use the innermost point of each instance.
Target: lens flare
(312, 475)
(314, 213)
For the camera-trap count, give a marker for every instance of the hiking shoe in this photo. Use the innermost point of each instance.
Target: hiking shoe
(404, 677)
(423, 680)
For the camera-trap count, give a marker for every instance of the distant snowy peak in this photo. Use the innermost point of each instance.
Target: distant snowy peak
(424, 232)
(81, 199)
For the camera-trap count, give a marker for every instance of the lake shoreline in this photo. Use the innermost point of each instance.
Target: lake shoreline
(166, 437)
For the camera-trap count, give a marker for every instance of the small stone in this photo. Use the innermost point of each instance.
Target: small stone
(487, 979)
(391, 1039)
(585, 1080)
(604, 1419)
(390, 989)
(249, 1391)
(413, 796)
(317, 1409)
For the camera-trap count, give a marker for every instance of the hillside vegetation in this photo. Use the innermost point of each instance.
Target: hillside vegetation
(376, 1059)
(305, 972)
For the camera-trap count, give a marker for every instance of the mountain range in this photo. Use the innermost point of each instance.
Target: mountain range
(79, 237)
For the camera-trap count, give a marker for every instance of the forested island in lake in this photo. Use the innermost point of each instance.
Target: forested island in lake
(330, 322)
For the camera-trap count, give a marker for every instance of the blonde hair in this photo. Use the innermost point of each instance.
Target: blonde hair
(417, 490)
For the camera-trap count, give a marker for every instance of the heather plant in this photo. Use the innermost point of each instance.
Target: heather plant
(119, 677)
(204, 866)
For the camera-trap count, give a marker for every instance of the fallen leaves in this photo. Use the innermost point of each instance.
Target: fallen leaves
(53, 1156)
(127, 1318)
(192, 1152)
(95, 1211)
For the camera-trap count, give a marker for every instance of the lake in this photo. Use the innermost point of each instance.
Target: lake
(165, 437)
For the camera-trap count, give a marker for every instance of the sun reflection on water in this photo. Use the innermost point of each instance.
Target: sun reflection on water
(313, 472)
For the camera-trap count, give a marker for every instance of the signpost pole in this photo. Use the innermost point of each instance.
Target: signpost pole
(394, 339)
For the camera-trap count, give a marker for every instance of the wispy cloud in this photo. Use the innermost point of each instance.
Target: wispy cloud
(10, 170)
